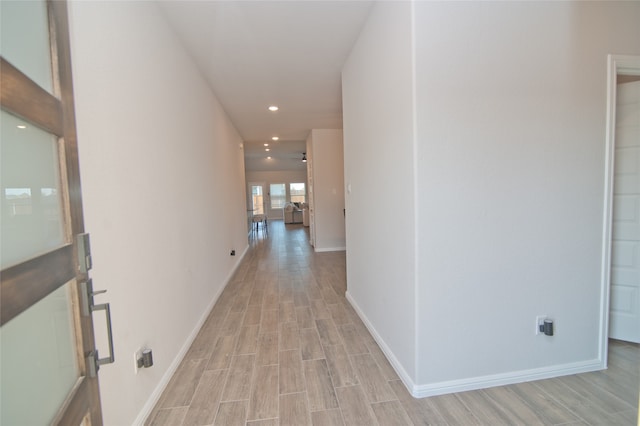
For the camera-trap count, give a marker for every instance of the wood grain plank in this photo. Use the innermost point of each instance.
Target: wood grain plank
(338, 314)
(222, 353)
(383, 363)
(252, 315)
(304, 318)
(601, 398)
(420, 411)
(269, 321)
(238, 384)
(327, 418)
(294, 410)
(233, 413)
(257, 296)
(24, 284)
(342, 372)
(320, 390)
(582, 407)
(205, 341)
(373, 383)
(391, 413)
(183, 384)
(351, 339)
(453, 410)
(319, 309)
(310, 344)
(546, 407)
(291, 373)
(265, 422)
(23, 97)
(354, 406)
(289, 336)
(300, 298)
(267, 353)
(168, 417)
(230, 325)
(248, 340)
(287, 312)
(328, 332)
(263, 402)
(515, 408)
(314, 293)
(204, 404)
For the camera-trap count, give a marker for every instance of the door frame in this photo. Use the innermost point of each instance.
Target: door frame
(25, 284)
(616, 65)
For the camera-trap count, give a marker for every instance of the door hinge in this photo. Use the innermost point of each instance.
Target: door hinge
(84, 252)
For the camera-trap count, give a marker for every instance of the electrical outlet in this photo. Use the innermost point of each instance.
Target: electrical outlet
(540, 321)
(136, 356)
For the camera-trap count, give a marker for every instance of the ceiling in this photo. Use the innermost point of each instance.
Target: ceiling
(260, 53)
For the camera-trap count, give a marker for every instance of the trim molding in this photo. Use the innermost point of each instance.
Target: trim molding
(473, 383)
(153, 399)
(397, 366)
(482, 382)
(616, 65)
(323, 249)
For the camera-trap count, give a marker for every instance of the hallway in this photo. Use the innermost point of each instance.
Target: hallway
(282, 346)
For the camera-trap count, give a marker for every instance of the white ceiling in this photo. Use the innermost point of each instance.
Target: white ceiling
(260, 53)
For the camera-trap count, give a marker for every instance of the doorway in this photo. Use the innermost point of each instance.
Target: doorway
(621, 272)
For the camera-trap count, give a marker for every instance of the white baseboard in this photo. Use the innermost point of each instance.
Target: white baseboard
(509, 378)
(166, 377)
(323, 249)
(404, 376)
(473, 383)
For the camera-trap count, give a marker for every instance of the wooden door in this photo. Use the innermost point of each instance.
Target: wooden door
(47, 341)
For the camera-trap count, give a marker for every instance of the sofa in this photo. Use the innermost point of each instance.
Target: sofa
(292, 213)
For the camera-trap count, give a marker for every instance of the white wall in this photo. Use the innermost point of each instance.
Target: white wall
(509, 170)
(379, 169)
(326, 152)
(276, 176)
(511, 134)
(163, 186)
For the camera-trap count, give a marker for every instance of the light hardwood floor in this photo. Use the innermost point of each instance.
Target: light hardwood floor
(282, 346)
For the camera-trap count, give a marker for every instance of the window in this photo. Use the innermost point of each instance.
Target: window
(297, 192)
(278, 195)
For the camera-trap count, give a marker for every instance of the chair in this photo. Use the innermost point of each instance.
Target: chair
(259, 219)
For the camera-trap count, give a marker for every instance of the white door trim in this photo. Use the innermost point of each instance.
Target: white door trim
(624, 65)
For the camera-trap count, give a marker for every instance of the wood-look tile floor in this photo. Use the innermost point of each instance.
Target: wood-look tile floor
(282, 346)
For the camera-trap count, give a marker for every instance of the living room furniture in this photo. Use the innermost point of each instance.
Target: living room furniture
(292, 213)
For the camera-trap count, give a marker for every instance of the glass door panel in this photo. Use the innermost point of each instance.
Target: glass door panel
(257, 199)
(39, 366)
(24, 39)
(31, 198)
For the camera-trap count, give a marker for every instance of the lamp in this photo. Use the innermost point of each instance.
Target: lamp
(304, 157)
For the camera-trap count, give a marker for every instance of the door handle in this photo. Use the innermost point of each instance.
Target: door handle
(106, 307)
(88, 307)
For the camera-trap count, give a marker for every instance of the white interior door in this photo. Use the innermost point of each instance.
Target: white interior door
(624, 317)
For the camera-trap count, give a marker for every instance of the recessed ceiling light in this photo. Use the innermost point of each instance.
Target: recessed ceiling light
(275, 138)
(266, 144)
(267, 149)
(21, 126)
(273, 108)
(268, 158)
